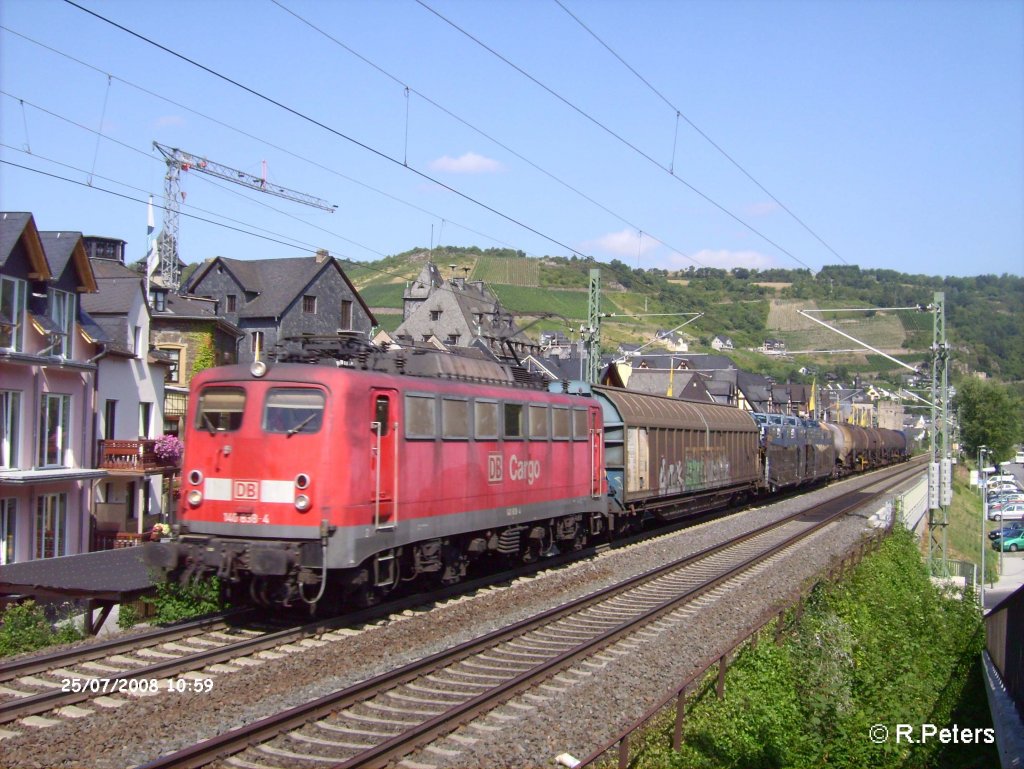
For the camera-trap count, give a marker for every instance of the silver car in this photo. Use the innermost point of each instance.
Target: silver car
(1012, 511)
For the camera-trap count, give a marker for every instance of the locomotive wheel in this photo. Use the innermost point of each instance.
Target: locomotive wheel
(531, 553)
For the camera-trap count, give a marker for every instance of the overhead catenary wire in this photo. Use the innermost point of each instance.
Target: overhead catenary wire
(679, 114)
(618, 137)
(334, 131)
(240, 132)
(407, 89)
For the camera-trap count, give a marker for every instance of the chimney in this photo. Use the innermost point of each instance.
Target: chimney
(322, 255)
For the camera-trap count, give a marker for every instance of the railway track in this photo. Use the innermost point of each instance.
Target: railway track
(392, 715)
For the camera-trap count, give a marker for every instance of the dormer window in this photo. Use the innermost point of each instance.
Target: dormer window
(12, 313)
(62, 313)
(159, 301)
(435, 315)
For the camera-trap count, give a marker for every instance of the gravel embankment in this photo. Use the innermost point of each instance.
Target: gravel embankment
(576, 720)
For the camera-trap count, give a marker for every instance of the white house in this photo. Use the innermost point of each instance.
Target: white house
(130, 402)
(47, 392)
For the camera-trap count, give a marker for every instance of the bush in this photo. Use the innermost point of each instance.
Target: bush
(174, 601)
(24, 628)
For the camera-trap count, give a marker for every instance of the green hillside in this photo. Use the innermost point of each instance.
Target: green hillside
(984, 315)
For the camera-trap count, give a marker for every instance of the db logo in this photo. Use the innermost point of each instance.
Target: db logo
(494, 468)
(246, 490)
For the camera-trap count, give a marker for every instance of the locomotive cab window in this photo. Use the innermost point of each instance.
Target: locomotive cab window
(220, 409)
(515, 420)
(293, 410)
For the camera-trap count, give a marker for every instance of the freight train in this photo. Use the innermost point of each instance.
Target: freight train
(333, 484)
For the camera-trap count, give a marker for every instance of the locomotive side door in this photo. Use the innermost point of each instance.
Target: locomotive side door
(596, 453)
(384, 457)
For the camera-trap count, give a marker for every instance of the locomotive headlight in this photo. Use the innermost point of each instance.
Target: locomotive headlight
(302, 503)
(195, 497)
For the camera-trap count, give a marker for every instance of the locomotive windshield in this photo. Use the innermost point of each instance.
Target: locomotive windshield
(220, 409)
(293, 410)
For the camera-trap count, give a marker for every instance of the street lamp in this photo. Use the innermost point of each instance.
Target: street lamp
(982, 480)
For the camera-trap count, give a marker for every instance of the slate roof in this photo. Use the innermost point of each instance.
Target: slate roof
(276, 282)
(12, 226)
(119, 288)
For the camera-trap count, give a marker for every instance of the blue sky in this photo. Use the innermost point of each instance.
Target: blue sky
(893, 132)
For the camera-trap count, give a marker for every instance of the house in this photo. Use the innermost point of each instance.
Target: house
(673, 340)
(773, 347)
(191, 337)
(460, 313)
(48, 353)
(270, 300)
(130, 403)
(674, 382)
(720, 343)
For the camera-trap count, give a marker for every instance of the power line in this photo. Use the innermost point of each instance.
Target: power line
(712, 142)
(583, 113)
(324, 126)
(409, 89)
(242, 132)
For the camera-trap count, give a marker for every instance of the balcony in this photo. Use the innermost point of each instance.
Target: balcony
(133, 457)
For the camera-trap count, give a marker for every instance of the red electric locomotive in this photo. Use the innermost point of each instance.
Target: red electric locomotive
(336, 483)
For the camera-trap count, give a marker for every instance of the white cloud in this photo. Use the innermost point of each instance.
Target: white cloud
(470, 163)
(624, 243)
(166, 121)
(724, 259)
(764, 208)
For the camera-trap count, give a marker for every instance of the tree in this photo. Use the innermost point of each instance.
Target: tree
(989, 416)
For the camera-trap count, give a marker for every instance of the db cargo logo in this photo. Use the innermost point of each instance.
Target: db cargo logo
(245, 490)
(494, 468)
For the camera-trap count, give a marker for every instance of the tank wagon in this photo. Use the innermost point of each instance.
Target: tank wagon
(332, 484)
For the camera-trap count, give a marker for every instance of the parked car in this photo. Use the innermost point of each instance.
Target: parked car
(1013, 511)
(1002, 501)
(1019, 459)
(1012, 543)
(1005, 487)
(1009, 530)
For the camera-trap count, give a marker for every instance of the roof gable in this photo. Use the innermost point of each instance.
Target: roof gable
(20, 227)
(65, 252)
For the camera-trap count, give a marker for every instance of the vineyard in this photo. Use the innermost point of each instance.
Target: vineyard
(508, 271)
(884, 331)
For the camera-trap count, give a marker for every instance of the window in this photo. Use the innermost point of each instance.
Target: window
(514, 420)
(10, 420)
(560, 424)
(485, 419)
(345, 322)
(137, 340)
(220, 409)
(309, 304)
(293, 410)
(452, 339)
(173, 374)
(110, 420)
(145, 419)
(580, 425)
(257, 343)
(8, 519)
(158, 299)
(51, 523)
(232, 303)
(420, 416)
(454, 418)
(12, 313)
(538, 422)
(53, 430)
(382, 413)
(435, 315)
(62, 313)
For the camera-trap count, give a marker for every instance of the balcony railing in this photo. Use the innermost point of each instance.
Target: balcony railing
(131, 456)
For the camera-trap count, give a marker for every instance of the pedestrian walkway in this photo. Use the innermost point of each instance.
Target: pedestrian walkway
(1010, 578)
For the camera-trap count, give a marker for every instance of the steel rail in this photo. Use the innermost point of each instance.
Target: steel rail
(267, 728)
